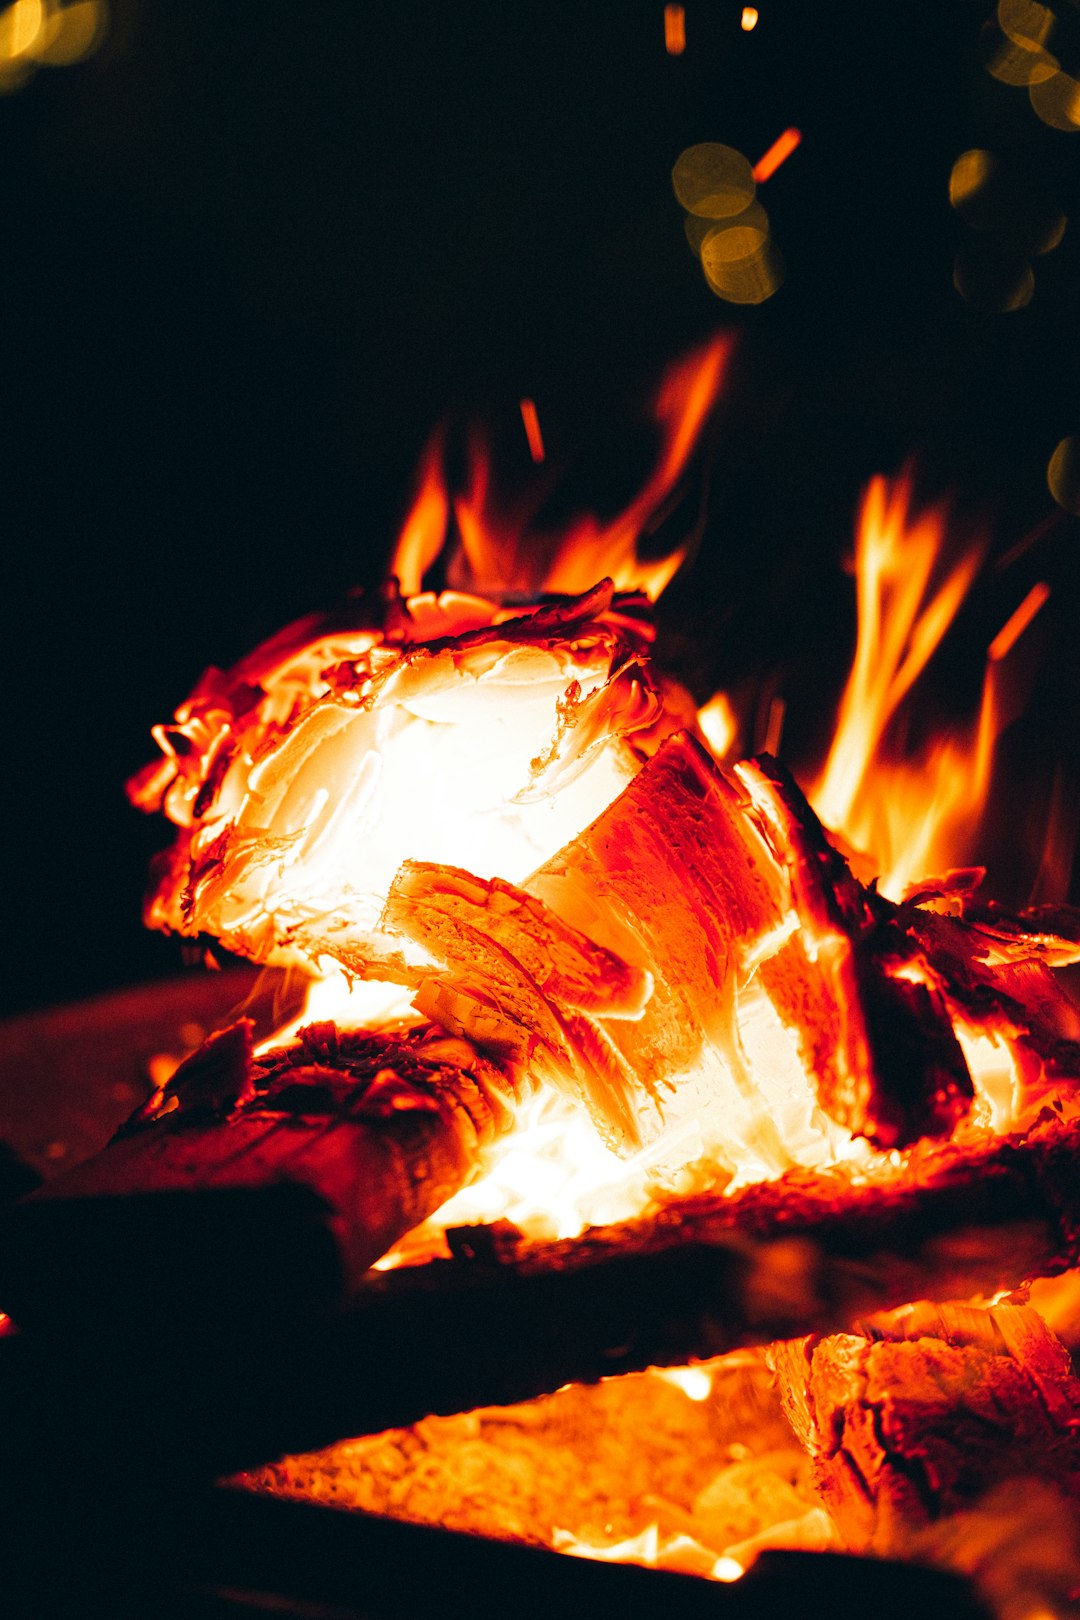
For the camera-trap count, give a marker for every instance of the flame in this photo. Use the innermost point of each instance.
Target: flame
(681, 1553)
(719, 725)
(499, 553)
(551, 1179)
(424, 530)
(452, 734)
(910, 815)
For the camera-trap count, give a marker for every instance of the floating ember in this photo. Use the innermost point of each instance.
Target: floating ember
(618, 1056)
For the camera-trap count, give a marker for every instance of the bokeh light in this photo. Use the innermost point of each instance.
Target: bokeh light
(697, 229)
(1063, 474)
(741, 263)
(1011, 62)
(994, 197)
(1057, 102)
(43, 33)
(992, 281)
(1025, 22)
(713, 181)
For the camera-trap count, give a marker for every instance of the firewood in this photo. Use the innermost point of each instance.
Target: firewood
(250, 1277)
(881, 1049)
(924, 1410)
(701, 1276)
(674, 878)
(382, 1127)
(516, 979)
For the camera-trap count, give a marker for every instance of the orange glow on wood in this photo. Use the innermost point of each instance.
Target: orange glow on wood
(1017, 622)
(674, 30)
(780, 149)
(774, 729)
(532, 430)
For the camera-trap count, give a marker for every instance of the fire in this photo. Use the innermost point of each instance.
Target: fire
(499, 552)
(911, 815)
(462, 814)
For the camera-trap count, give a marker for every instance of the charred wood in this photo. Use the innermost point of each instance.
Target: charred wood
(382, 1128)
(919, 1413)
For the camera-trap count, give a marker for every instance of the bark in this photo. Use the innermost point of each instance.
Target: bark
(706, 1275)
(922, 1412)
(381, 1129)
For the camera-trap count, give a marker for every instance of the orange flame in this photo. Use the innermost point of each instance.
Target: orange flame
(497, 553)
(424, 531)
(911, 816)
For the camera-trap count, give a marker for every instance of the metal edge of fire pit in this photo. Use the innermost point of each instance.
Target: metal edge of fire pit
(373, 1568)
(69, 1076)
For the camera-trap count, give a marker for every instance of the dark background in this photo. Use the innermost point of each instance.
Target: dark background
(252, 253)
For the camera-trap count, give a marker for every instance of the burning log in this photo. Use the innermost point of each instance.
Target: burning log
(704, 1275)
(305, 758)
(922, 1412)
(947, 1434)
(519, 983)
(881, 1049)
(381, 1127)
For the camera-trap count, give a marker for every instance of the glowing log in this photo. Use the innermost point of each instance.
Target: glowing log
(382, 1127)
(881, 1048)
(675, 878)
(918, 1415)
(709, 890)
(304, 778)
(520, 982)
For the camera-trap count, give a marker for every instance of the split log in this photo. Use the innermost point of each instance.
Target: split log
(880, 1047)
(519, 981)
(382, 1128)
(244, 1351)
(675, 878)
(920, 1413)
(705, 1275)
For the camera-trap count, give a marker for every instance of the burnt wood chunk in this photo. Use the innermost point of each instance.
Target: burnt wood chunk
(880, 1047)
(567, 966)
(674, 878)
(483, 990)
(382, 1127)
(703, 1275)
(919, 1413)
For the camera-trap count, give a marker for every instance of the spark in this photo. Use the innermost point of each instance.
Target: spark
(674, 30)
(532, 429)
(749, 18)
(781, 148)
(1017, 622)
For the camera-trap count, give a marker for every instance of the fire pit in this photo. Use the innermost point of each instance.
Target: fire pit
(617, 1060)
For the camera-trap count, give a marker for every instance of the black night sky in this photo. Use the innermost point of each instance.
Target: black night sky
(253, 253)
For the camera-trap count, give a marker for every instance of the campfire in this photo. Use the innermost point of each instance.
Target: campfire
(699, 1144)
